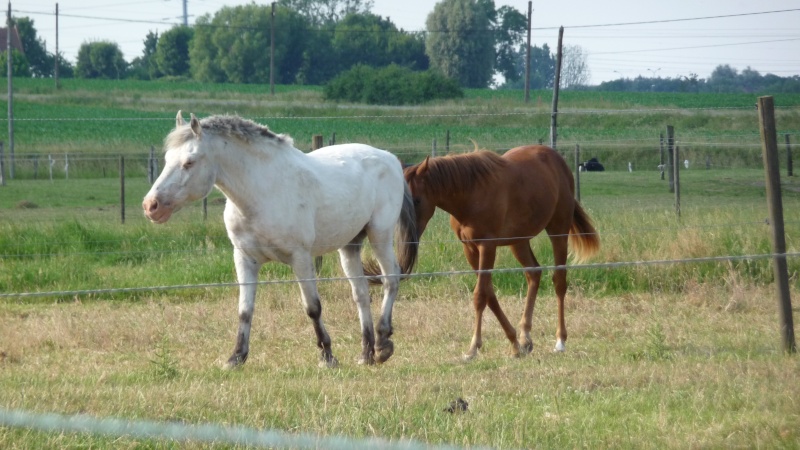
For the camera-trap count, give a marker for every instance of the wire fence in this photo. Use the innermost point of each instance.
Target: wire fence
(33, 166)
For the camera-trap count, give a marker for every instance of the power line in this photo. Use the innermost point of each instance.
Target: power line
(649, 22)
(696, 47)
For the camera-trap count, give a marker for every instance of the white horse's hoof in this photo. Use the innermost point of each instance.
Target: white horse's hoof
(560, 347)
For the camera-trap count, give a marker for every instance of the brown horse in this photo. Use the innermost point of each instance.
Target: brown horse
(506, 200)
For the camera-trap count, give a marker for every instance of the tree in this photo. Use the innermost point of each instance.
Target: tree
(101, 59)
(723, 79)
(390, 85)
(374, 41)
(19, 64)
(543, 69)
(574, 67)
(320, 13)
(510, 27)
(172, 51)
(460, 41)
(234, 45)
(40, 62)
(750, 80)
(144, 67)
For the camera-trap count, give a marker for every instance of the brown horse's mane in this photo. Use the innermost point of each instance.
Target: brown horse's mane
(464, 172)
(227, 126)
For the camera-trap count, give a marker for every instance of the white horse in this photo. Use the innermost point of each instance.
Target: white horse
(289, 206)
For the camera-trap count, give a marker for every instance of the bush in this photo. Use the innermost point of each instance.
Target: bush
(390, 85)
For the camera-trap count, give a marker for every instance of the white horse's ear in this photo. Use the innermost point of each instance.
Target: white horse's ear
(195, 124)
(179, 122)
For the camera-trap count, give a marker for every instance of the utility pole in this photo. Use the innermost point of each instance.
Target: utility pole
(56, 58)
(185, 14)
(272, 51)
(10, 96)
(528, 57)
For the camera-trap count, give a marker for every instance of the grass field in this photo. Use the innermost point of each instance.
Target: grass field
(659, 355)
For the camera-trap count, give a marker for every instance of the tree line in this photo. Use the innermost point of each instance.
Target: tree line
(724, 79)
(469, 41)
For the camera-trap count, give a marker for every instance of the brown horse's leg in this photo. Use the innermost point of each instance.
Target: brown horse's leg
(478, 301)
(522, 251)
(559, 242)
(484, 295)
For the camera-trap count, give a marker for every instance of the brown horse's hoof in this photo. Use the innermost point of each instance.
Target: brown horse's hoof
(526, 348)
(383, 353)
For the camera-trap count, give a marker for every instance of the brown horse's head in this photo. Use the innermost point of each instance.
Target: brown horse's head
(424, 206)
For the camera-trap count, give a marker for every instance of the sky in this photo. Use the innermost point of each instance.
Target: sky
(621, 38)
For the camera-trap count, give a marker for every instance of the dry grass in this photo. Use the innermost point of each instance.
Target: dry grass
(703, 369)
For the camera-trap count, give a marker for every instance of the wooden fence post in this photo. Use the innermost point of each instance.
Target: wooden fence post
(151, 168)
(556, 87)
(676, 172)
(789, 162)
(122, 188)
(447, 142)
(769, 149)
(433, 148)
(2, 166)
(670, 157)
(661, 147)
(578, 172)
(316, 142)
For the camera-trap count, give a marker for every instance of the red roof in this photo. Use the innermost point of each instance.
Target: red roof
(16, 43)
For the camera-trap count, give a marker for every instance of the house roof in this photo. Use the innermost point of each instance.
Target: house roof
(16, 43)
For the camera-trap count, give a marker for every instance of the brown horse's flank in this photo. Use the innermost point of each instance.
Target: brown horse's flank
(505, 201)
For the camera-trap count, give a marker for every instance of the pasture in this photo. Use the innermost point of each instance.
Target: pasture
(668, 355)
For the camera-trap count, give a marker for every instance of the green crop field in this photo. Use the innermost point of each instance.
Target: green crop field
(673, 354)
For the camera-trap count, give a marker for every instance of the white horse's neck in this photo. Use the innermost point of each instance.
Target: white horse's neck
(244, 171)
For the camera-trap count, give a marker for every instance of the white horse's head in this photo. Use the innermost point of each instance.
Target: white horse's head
(188, 175)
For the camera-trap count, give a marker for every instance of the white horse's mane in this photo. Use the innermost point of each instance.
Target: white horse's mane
(227, 126)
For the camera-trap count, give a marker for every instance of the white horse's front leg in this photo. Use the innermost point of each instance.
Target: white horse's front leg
(303, 266)
(247, 275)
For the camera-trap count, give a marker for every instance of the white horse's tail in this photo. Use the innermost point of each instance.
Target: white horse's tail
(406, 241)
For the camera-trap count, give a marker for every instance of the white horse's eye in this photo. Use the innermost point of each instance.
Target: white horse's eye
(188, 165)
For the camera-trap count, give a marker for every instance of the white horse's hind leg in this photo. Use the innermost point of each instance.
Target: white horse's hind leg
(382, 248)
(303, 267)
(350, 257)
(247, 275)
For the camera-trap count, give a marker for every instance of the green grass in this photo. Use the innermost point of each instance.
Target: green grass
(658, 356)
(110, 118)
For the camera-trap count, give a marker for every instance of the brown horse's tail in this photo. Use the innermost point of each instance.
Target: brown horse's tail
(582, 235)
(406, 241)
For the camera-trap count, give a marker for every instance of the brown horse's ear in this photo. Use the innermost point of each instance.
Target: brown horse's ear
(423, 166)
(195, 124)
(179, 122)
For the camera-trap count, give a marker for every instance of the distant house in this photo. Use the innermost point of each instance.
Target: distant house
(16, 43)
